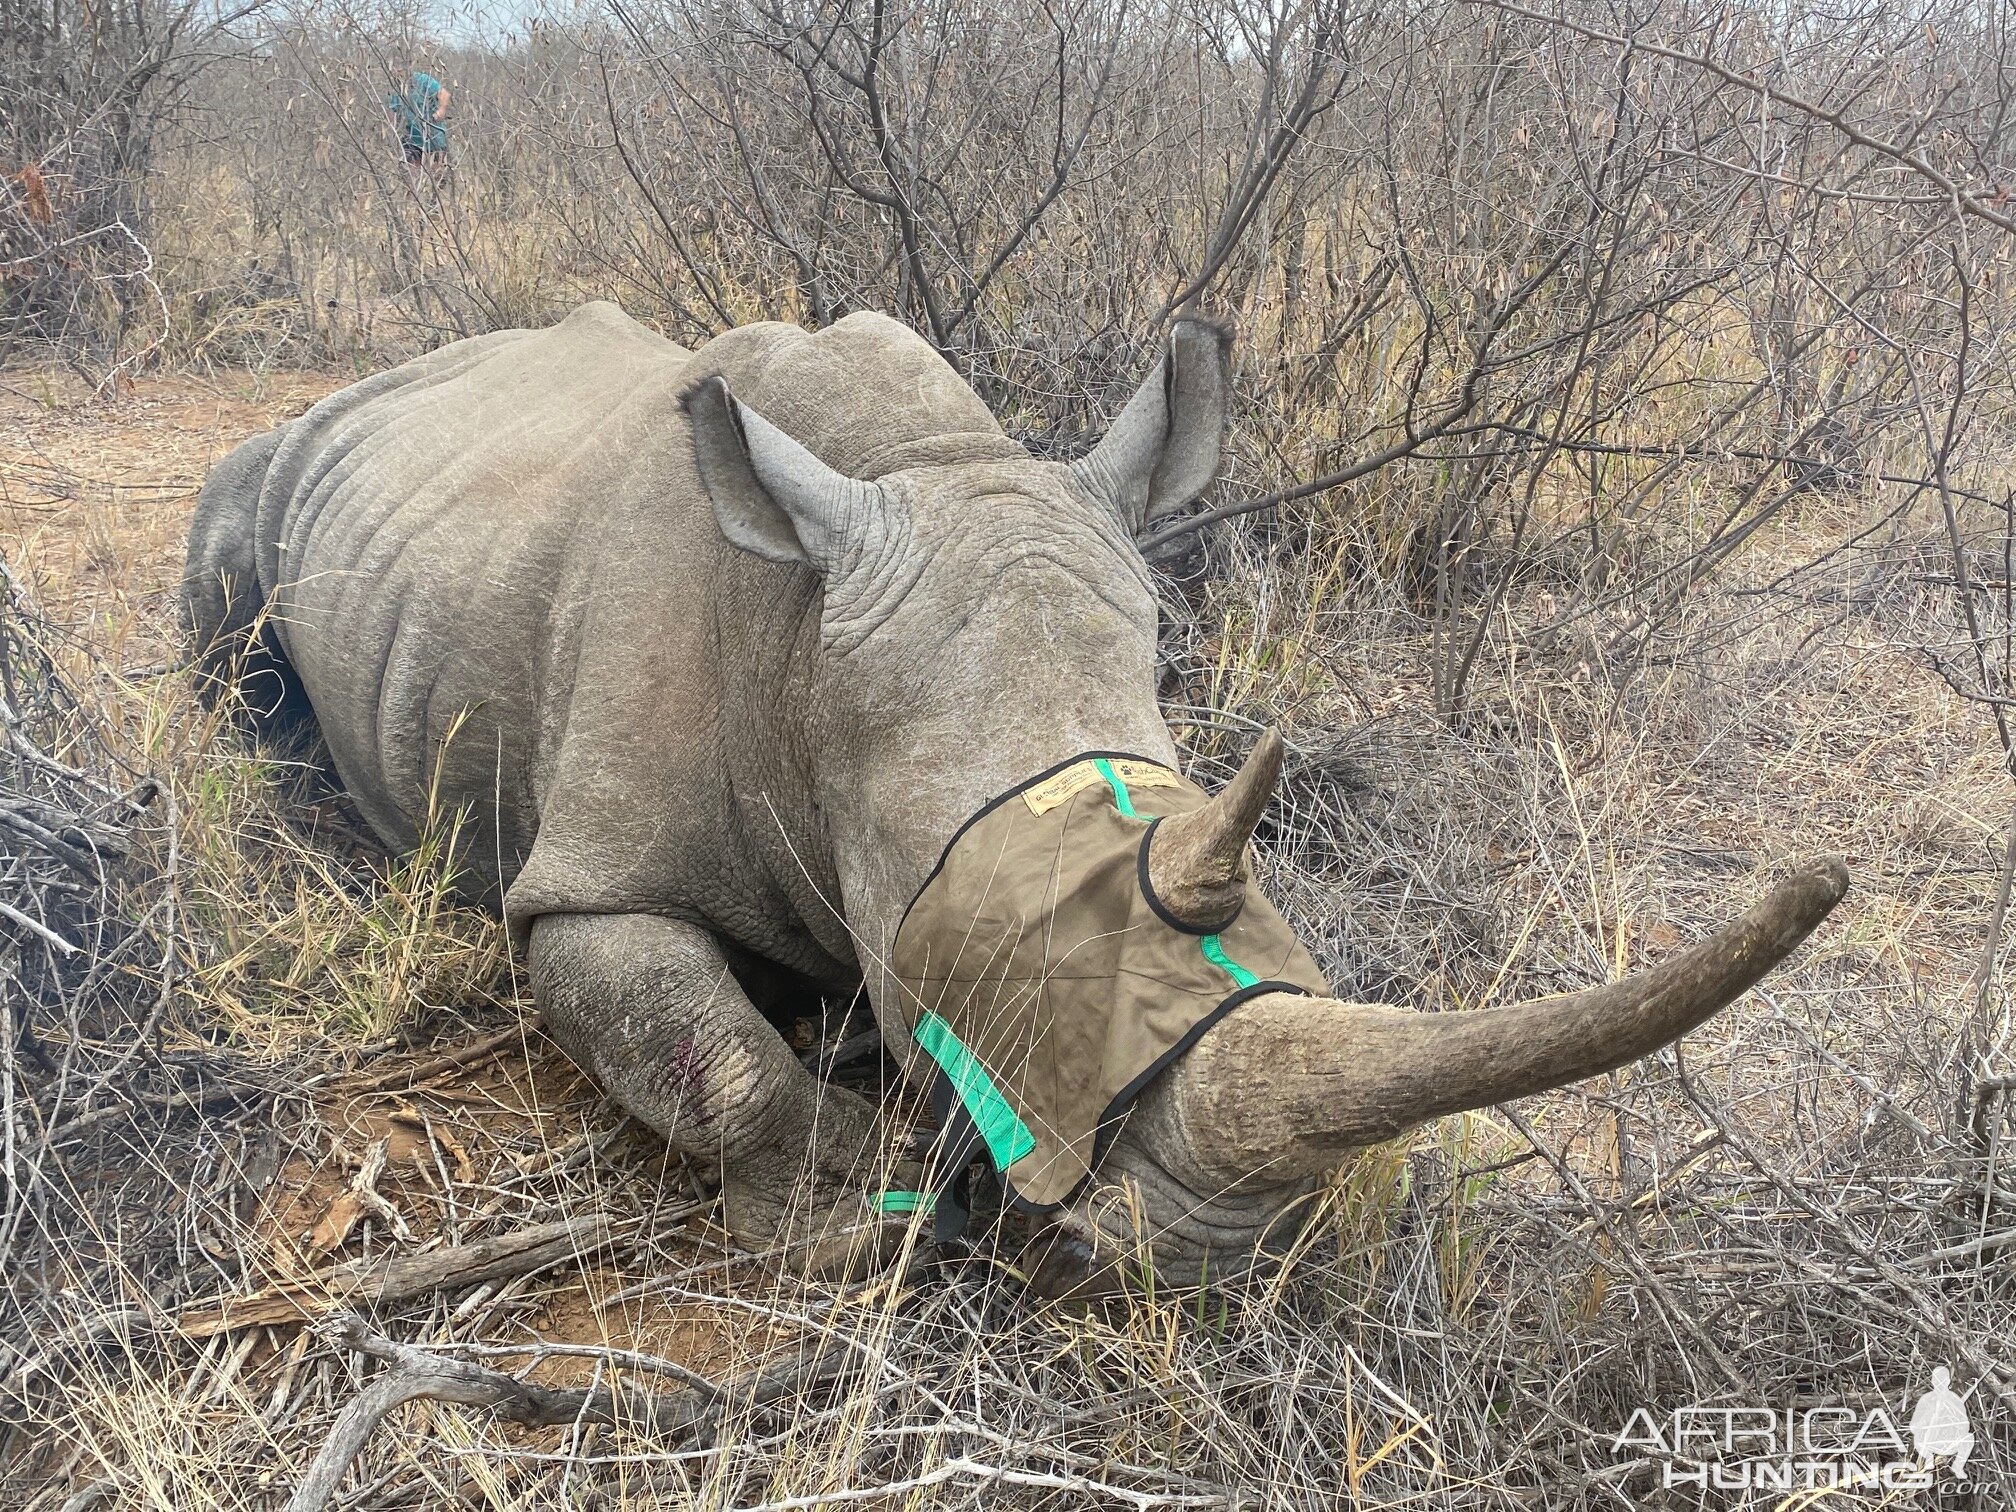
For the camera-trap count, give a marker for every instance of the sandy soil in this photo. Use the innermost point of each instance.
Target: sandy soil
(95, 494)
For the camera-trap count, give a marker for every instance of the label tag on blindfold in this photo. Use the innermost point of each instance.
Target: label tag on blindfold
(1052, 791)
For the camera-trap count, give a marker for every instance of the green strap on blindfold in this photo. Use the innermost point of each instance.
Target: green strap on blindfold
(1008, 1138)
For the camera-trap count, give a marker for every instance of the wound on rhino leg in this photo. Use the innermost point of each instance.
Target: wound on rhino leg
(687, 1074)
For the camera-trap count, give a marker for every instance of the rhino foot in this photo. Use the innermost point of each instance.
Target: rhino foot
(835, 1229)
(649, 1008)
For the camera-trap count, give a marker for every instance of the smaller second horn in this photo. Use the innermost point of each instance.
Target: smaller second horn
(1197, 861)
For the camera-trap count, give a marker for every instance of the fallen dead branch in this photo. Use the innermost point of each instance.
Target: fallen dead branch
(405, 1076)
(389, 1279)
(359, 1197)
(681, 1417)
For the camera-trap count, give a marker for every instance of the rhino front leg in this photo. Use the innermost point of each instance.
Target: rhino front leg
(648, 1007)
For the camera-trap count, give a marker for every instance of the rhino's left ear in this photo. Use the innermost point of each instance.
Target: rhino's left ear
(772, 496)
(1163, 450)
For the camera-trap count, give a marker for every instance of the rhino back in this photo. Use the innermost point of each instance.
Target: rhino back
(444, 541)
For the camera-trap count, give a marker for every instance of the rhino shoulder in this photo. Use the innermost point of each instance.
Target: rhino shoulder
(603, 320)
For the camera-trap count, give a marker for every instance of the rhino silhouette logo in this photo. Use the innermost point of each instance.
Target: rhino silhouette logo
(1939, 1424)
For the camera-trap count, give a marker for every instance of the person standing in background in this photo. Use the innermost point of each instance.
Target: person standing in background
(419, 110)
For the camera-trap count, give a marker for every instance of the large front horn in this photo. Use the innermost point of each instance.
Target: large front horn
(1197, 861)
(1286, 1085)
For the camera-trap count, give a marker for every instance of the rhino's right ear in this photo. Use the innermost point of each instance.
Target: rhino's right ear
(772, 496)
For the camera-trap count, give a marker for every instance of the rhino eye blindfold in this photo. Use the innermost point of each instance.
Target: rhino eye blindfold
(1049, 985)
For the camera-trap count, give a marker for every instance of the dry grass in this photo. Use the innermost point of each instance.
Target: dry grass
(1779, 1213)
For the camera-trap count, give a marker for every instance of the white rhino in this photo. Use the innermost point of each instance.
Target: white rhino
(717, 649)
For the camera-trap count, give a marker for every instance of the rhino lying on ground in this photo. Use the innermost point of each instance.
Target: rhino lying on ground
(718, 649)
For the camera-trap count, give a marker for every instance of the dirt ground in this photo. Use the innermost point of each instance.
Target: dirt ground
(95, 494)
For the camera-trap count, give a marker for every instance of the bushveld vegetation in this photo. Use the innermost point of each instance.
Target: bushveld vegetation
(1618, 507)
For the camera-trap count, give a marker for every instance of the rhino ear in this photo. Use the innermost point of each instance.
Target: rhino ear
(772, 496)
(1163, 450)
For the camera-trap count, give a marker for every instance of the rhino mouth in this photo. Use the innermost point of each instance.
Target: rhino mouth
(1093, 1250)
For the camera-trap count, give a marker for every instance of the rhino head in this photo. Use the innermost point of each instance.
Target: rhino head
(983, 615)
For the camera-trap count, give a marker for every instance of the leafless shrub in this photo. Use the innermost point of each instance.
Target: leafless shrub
(1521, 295)
(85, 93)
(90, 936)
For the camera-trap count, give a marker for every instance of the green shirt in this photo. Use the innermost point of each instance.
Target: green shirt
(415, 110)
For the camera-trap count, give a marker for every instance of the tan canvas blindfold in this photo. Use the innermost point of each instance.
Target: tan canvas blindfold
(1046, 981)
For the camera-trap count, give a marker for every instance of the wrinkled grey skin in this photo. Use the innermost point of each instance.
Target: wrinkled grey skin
(682, 757)
(715, 650)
